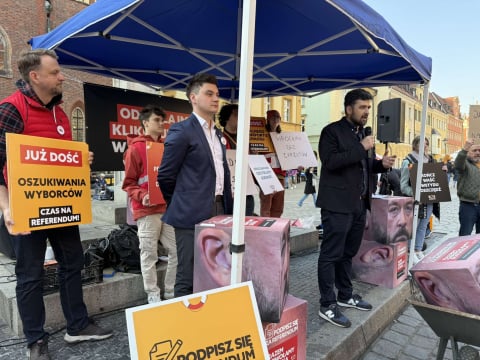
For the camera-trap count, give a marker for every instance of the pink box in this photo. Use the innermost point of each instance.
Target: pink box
(449, 276)
(390, 219)
(266, 260)
(382, 257)
(287, 340)
(381, 264)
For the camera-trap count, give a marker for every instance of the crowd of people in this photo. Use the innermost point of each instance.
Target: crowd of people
(195, 185)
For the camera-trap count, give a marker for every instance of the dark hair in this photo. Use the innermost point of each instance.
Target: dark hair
(267, 123)
(30, 60)
(358, 94)
(225, 113)
(197, 82)
(148, 110)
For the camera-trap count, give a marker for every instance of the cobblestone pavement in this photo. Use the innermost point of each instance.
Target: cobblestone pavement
(408, 337)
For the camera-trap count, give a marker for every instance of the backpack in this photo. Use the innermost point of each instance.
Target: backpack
(122, 249)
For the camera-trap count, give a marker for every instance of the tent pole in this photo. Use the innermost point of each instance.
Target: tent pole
(243, 132)
(421, 152)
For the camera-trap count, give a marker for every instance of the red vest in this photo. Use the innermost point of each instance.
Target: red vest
(38, 120)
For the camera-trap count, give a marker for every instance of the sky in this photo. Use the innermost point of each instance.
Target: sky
(447, 32)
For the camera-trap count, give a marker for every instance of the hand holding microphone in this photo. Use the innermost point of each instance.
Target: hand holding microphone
(368, 142)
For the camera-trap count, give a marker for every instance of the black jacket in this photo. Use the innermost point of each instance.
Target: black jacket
(341, 174)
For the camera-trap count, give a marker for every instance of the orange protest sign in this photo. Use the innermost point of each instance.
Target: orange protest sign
(48, 182)
(221, 323)
(260, 141)
(154, 158)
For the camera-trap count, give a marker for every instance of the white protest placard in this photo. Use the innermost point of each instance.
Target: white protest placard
(266, 178)
(231, 159)
(293, 150)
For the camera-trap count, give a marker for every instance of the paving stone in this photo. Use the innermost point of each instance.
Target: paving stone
(387, 348)
(417, 352)
(402, 328)
(396, 337)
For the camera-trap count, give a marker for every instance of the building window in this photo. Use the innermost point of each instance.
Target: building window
(266, 104)
(78, 125)
(287, 105)
(5, 55)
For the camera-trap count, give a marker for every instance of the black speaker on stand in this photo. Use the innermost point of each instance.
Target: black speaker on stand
(391, 121)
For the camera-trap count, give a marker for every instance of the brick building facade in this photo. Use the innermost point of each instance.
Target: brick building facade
(20, 20)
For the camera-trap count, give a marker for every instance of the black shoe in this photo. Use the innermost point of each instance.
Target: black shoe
(39, 350)
(355, 302)
(333, 315)
(320, 227)
(91, 332)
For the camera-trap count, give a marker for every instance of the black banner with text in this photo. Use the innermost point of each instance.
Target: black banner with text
(112, 113)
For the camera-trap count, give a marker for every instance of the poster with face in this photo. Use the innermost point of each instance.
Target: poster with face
(382, 257)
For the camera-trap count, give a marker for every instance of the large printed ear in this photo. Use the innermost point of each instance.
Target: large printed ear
(380, 255)
(435, 291)
(218, 261)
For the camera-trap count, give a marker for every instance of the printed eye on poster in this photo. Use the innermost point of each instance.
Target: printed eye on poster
(434, 186)
(48, 182)
(222, 323)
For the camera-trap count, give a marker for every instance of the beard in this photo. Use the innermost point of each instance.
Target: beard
(382, 237)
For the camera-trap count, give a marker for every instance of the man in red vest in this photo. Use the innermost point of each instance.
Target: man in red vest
(148, 215)
(34, 110)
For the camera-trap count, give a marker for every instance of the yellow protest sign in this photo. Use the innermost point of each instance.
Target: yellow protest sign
(48, 182)
(222, 323)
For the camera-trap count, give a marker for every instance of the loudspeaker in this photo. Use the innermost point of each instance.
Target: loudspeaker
(391, 121)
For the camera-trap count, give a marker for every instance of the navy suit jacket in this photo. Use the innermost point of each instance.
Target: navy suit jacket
(341, 175)
(187, 175)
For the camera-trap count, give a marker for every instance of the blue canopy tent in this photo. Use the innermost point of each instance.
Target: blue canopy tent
(303, 47)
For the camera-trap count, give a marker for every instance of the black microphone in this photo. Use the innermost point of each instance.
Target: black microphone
(368, 132)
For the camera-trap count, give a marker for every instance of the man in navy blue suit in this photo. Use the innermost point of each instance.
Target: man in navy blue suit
(194, 175)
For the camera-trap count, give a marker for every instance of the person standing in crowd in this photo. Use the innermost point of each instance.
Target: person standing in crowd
(228, 119)
(467, 164)
(148, 216)
(271, 205)
(309, 187)
(344, 194)
(194, 176)
(34, 109)
(447, 161)
(425, 211)
(292, 174)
